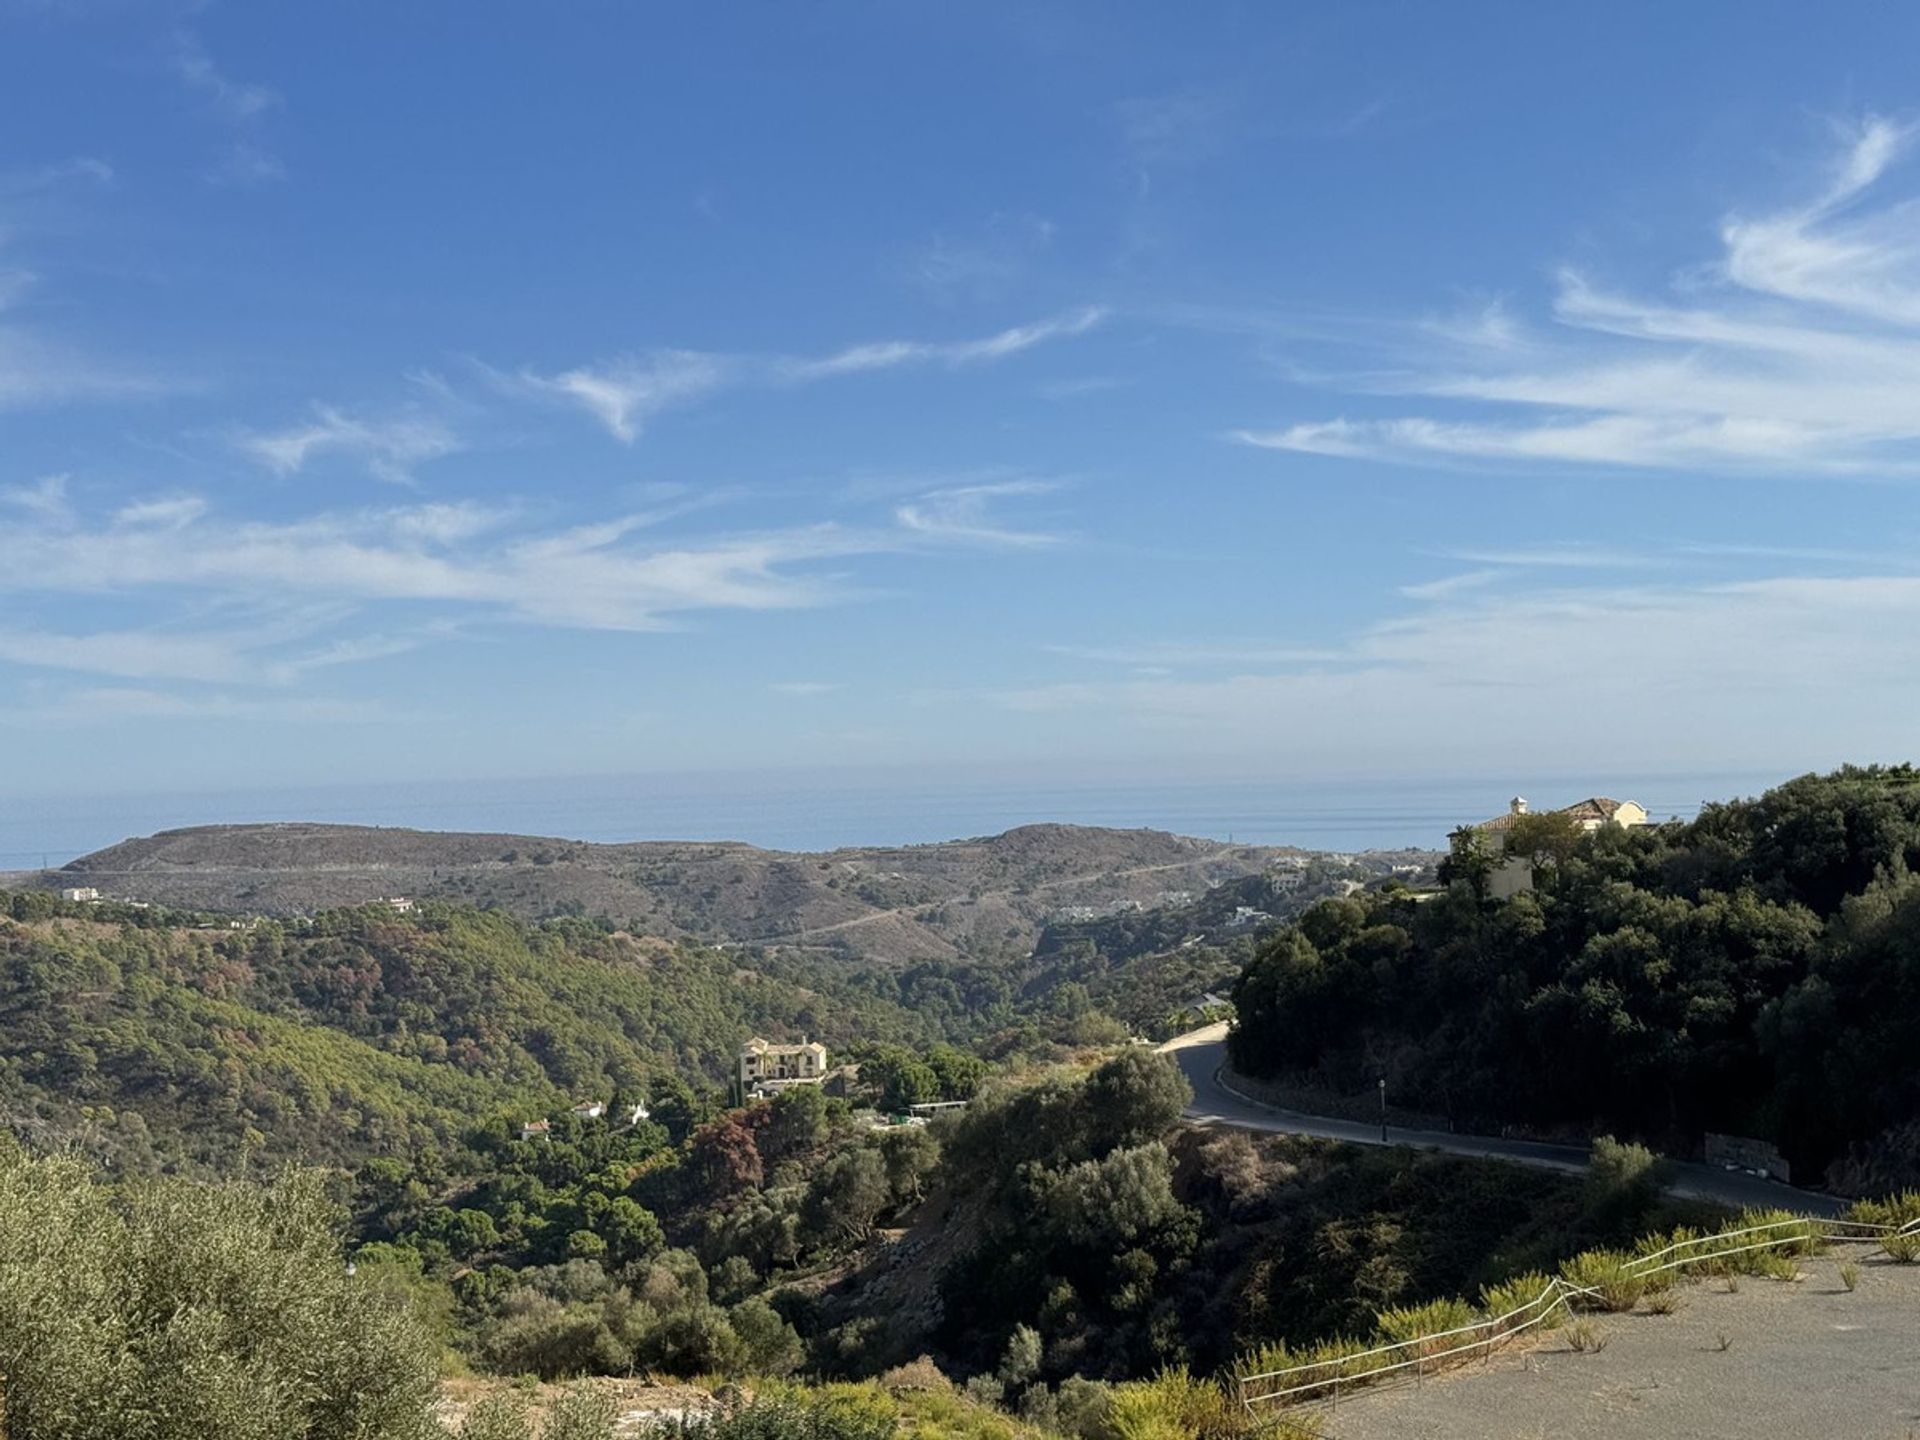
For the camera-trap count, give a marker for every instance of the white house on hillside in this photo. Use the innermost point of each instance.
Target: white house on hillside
(1513, 874)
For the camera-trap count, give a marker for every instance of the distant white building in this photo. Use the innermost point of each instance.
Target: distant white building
(399, 904)
(766, 1068)
(536, 1130)
(82, 894)
(1513, 875)
(591, 1110)
(636, 1113)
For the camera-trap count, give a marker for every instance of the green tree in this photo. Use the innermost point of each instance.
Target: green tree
(958, 1074)
(899, 1077)
(1136, 1096)
(172, 1310)
(846, 1196)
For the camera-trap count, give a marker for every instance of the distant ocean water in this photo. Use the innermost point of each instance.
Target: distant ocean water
(823, 810)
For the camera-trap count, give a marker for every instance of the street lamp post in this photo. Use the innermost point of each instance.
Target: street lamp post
(1383, 1109)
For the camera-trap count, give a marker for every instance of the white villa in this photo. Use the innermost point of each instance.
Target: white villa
(1514, 874)
(767, 1068)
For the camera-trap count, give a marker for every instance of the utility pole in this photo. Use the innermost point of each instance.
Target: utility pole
(1383, 1109)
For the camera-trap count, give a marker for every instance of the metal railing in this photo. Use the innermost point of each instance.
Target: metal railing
(1323, 1379)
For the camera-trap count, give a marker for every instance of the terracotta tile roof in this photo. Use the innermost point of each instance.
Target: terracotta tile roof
(1595, 808)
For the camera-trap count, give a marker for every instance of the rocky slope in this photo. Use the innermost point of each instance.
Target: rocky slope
(979, 897)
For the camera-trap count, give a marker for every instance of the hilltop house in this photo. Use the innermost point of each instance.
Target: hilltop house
(82, 894)
(1513, 874)
(766, 1068)
(536, 1130)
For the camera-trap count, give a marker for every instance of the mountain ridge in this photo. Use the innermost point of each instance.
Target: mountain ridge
(978, 896)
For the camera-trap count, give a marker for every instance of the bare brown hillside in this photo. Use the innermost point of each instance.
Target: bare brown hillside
(979, 896)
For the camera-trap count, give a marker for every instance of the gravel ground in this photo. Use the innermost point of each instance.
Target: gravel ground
(1803, 1361)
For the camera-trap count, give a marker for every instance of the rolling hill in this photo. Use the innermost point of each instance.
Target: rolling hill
(980, 898)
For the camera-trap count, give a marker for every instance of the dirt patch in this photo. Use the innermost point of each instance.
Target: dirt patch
(643, 1405)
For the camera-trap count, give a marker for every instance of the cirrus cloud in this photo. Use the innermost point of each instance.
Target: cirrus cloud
(1797, 352)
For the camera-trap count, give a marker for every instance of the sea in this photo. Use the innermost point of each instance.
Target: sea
(824, 810)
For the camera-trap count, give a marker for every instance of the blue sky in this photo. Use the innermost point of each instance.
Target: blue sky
(489, 390)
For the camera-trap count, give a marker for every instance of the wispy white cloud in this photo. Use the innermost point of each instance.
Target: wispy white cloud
(390, 448)
(165, 512)
(237, 100)
(347, 587)
(45, 498)
(892, 354)
(1178, 127)
(242, 106)
(1448, 585)
(36, 370)
(1604, 676)
(985, 261)
(129, 654)
(1176, 654)
(1562, 556)
(79, 169)
(625, 393)
(118, 704)
(1796, 353)
(964, 513)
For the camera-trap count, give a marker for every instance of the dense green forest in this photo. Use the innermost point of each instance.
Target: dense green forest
(1755, 971)
(157, 1039)
(1064, 1234)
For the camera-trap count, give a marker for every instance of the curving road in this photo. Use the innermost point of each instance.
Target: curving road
(1201, 1053)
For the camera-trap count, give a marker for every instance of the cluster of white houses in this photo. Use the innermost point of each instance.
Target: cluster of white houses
(765, 1069)
(630, 1115)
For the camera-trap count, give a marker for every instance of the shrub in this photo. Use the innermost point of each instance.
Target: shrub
(1585, 1336)
(1795, 1234)
(1623, 1181)
(1021, 1361)
(1896, 1211)
(1518, 1292)
(499, 1416)
(1083, 1408)
(838, 1412)
(1420, 1329)
(1664, 1302)
(1850, 1275)
(539, 1336)
(1323, 1362)
(1173, 1405)
(769, 1345)
(1605, 1275)
(583, 1412)
(1668, 1246)
(173, 1310)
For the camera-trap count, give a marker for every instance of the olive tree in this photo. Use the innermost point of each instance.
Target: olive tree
(175, 1310)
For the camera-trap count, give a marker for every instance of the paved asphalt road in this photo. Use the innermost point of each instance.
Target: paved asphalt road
(1201, 1053)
